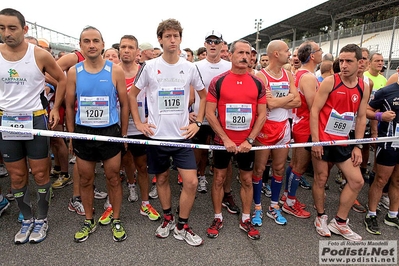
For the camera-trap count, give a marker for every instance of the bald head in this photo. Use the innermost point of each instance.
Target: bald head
(326, 66)
(275, 45)
(328, 57)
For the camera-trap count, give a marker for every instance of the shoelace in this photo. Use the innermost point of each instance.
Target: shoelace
(38, 226)
(216, 224)
(188, 230)
(86, 227)
(25, 227)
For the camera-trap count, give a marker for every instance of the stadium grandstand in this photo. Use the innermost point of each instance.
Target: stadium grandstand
(59, 42)
(381, 36)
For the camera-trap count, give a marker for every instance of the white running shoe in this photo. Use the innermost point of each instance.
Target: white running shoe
(39, 232)
(153, 192)
(99, 194)
(23, 234)
(132, 193)
(168, 224)
(343, 230)
(320, 223)
(202, 185)
(188, 235)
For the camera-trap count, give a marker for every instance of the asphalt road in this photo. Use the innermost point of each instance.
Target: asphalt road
(296, 243)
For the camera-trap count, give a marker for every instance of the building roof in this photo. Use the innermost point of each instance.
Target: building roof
(315, 18)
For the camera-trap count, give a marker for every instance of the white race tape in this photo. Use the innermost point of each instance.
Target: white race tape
(60, 134)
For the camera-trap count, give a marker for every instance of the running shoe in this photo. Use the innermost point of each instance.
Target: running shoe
(384, 201)
(187, 234)
(339, 177)
(150, 212)
(4, 204)
(296, 210)
(213, 230)
(230, 205)
(23, 234)
(283, 199)
(3, 171)
(72, 160)
(133, 196)
(118, 231)
(99, 194)
(202, 185)
(247, 227)
(10, 196)
(85, 231)
(266, 190)
(343, 184)
(62, 181)
(343, 230)
(153, 192)
(275, 214)
(76, 206)
(168, 224)
(54, 173)
(179, 180)
(391, 221)
(304, 183)
(106, 217)
(371, 223)
(39, 232)
(257, 217)
(320, 222)
(357, 207)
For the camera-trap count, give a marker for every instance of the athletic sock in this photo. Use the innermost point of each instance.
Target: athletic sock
(64, 174)
(340, 220)
(245, 217)
(23, 200)
(293, 183)
(370, 213)
(167, 211)
(43, 200)
(257, 186)
(181, 222)
(219, 216)
(276, 185)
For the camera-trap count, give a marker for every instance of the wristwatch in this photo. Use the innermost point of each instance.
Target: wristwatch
(199, 124)
(360, 146)
(250, 140)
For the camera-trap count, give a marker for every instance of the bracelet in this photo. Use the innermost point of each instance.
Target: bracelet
(378, 116)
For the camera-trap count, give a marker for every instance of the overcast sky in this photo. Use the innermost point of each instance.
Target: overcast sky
(115, 19)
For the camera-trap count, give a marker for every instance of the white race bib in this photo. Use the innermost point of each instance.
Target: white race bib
(238, 116)
(340, 124)
(17, 120)
(94, 110)
(171, 100)
(279, 89)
